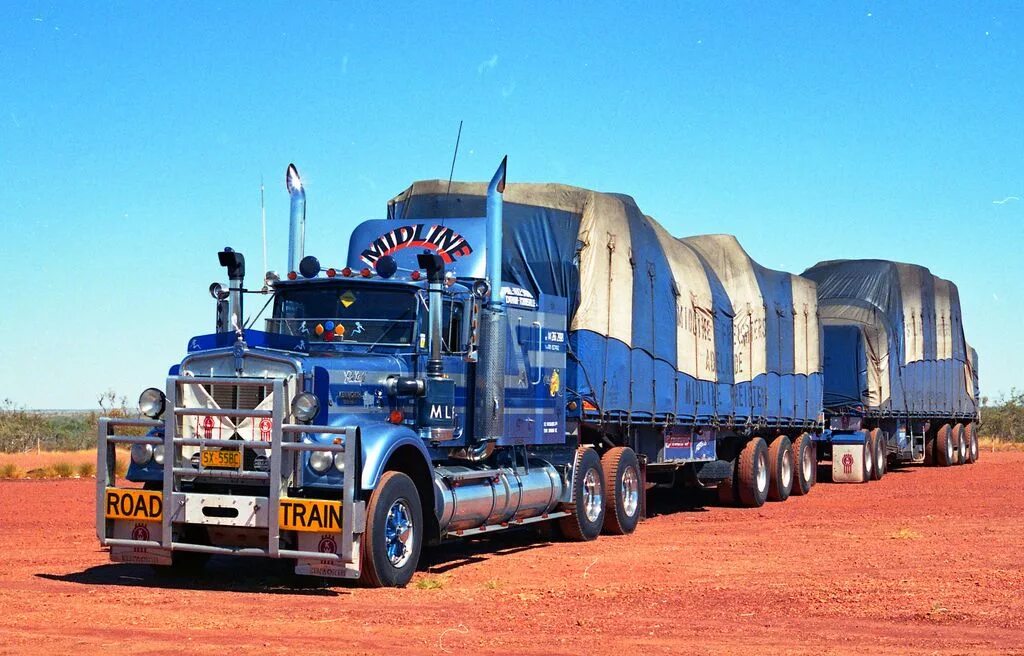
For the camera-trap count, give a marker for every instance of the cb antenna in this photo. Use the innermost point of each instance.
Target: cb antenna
(263, 218)
(458, 137)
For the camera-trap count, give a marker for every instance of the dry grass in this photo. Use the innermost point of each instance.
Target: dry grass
(905, 534)
(64, 469)
(11, 470)
(431, 583)
(86, 470)
(995, 444)
(35, 460)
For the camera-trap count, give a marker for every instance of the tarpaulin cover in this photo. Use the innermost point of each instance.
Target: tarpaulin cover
(651, 322)
(912, 358)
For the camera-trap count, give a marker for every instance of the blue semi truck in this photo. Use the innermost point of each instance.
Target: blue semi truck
(488, 357)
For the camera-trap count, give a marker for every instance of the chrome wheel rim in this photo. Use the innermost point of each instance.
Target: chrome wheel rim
(963, 449)
(949, 448)
(399, 538)
(630, 491)
(974, 447)
(762, 473)
(807, 464)
(868, 459)
(593, 499)
(786, 479)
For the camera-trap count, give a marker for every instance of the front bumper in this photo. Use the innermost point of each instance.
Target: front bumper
(145, 526)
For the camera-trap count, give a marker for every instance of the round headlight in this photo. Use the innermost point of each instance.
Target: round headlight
(339, 461)
(305, 406)
(320, 461)
(261, 463)
(142, 453)
(158, 454)
(151, 403)
(194, 461)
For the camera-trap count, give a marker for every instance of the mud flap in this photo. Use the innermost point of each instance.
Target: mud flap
(132, 530)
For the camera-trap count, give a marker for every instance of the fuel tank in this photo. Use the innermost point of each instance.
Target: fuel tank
(469, 497)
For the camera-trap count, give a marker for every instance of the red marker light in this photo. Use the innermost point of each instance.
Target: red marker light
(347, 271)
(415, 275)
(396, 417)
(331, 273)
(292, 275)
(365, 272)
(329, 336)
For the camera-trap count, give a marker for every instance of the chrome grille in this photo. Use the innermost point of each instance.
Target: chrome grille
(237, 398)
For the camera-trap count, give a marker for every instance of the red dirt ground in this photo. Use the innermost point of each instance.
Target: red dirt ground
(926, 561)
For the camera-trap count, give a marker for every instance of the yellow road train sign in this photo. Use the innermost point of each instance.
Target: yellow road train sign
(311, 515)
(144, 505)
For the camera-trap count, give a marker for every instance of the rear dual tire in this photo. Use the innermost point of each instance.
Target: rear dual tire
(752, 474)
(805, 464)
(780, 459)
(945, 446)
(622, 490)
(876, 442)
(587, 511)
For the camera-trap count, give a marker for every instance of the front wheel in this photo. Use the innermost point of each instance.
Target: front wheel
(622, 490)
(390, 546)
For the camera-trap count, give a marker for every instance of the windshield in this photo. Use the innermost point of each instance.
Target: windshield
(346, 312)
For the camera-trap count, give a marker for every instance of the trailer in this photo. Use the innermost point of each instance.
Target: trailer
(485, 357)
(901, 383)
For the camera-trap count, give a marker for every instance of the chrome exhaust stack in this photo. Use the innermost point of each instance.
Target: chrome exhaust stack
(489, 407)
(297, 218)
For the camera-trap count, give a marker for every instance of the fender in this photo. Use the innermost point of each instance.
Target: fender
(379, 442)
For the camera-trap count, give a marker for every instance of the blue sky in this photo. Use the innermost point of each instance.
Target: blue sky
(133, 139)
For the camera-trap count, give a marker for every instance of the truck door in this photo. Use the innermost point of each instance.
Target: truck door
(535, 368)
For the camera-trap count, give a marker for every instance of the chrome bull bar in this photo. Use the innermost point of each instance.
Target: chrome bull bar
(284, 439)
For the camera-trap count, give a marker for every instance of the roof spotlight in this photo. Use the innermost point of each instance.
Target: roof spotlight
(309, 267)
(386, 266)
(218, 291)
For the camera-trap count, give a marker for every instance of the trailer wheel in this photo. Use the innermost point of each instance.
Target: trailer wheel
(877, 438)
(622, 490)
(971, 435)
(945, 447)
(929, 451)
(752, 474)
(960, 457)
(586, 513)
(780, 459)
(390, 546)
(805, 464)
(869, 458)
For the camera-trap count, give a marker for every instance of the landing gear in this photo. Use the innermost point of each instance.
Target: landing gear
(587, 512)
(390, 547)
(622, 490)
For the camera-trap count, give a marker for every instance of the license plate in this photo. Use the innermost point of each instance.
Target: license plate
(133, 504)
(310, 515)
(221, 459)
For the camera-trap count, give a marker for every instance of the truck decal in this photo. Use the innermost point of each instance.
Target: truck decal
(447, 243)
